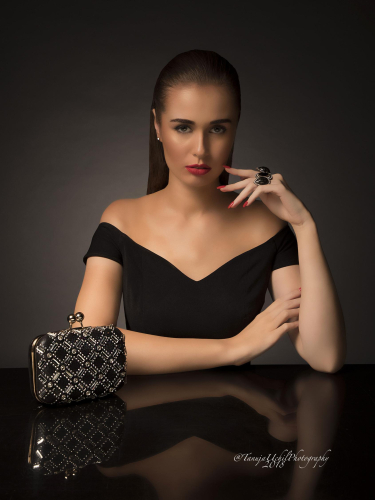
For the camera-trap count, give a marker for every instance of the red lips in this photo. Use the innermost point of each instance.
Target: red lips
(196, 165)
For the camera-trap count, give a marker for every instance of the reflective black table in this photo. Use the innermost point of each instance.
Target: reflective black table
(264, 432)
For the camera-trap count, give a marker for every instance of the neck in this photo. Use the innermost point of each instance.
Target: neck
(191, 201)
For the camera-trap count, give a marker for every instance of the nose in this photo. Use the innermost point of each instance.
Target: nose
(200, 146)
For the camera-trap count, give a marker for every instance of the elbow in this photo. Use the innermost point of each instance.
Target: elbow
(339, 360)
(334, 368)
(327, 367)
(332, 362)
(332, 365)
(338, 363)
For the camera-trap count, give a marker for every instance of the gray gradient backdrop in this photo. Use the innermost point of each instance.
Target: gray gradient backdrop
(77, 89)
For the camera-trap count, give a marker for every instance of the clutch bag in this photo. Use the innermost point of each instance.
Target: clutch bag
(77, 364)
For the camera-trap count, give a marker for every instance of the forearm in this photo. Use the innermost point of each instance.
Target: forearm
(151, 354)
(321, 321)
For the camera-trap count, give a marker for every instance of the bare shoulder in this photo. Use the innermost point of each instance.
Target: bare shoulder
(120, 212)
(129, 214)
(266, 222)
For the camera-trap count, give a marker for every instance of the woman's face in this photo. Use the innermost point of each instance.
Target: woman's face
(197, 141)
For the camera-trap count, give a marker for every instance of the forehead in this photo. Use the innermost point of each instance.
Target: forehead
(191, 101)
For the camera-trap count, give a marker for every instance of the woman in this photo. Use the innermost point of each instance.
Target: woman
(192, 261)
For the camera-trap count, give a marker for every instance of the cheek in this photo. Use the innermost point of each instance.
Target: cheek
(174, 147)
(221, 149)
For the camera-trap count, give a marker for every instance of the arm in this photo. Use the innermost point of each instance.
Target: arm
(151, 354)
(320, 338)
(322, 326)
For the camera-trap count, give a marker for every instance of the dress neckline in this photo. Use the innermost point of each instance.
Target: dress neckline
(228, 262)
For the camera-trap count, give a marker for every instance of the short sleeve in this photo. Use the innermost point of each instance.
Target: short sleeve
(105, 243)
(286, 249)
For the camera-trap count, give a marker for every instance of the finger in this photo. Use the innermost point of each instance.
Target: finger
(283, 316)
(243, 195)
(287, 304)
(245, 172)
(235, 185)
(274, 187)
(254, 195)
(280, 307)
(293, 302)
(293, 294)
(286, 327)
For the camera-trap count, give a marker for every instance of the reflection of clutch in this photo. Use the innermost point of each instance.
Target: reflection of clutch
(75, 364)
(68, 438)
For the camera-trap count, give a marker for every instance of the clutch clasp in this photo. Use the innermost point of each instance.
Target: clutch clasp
(75, 318)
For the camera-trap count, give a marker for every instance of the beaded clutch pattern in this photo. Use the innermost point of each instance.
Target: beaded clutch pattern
(76, 364)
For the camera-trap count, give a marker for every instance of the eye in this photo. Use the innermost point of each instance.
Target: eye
(220, 127)
(180, 127)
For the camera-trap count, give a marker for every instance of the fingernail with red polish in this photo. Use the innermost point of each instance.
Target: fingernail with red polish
(231, 205)
(218, 187)
(244, 205)
(226, 166)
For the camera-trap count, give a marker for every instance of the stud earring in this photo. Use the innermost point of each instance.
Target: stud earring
(158, 139)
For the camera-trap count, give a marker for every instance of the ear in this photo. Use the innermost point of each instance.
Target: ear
(156, 125)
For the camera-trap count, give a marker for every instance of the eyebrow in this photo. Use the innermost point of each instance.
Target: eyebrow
(190, 122)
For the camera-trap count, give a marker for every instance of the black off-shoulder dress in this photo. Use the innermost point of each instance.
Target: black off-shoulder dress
(159, 299)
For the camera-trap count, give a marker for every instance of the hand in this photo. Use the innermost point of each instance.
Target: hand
(277, 196)
(266, 328)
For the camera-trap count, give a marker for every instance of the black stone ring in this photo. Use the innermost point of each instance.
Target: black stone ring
(263, 177)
